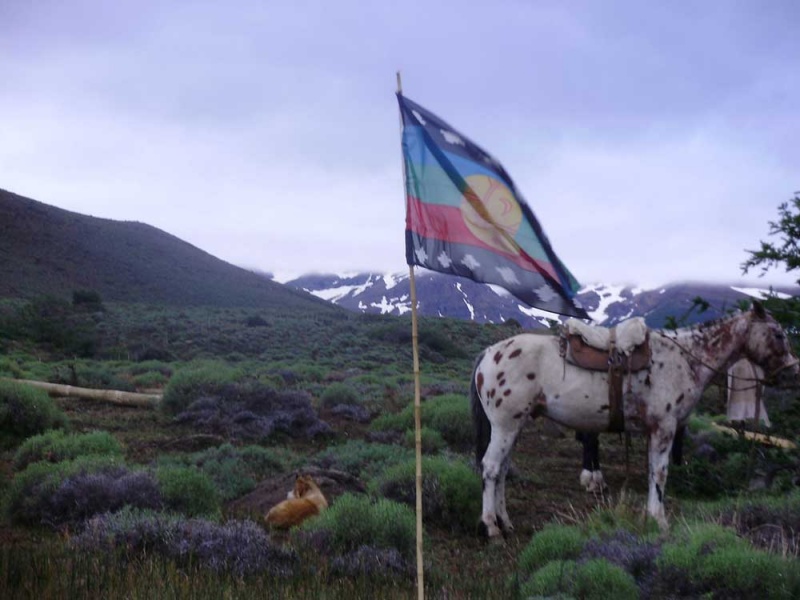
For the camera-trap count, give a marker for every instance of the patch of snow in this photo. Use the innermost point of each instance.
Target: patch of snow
(334, 294)
(543, 316)
(609, 294)
(760, 294)
(466, 301)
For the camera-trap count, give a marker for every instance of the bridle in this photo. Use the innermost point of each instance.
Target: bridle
(763, 381)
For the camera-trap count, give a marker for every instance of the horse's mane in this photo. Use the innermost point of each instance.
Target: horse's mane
(688, 330)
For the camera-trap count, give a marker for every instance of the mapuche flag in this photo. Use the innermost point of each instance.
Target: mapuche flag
(464, 216)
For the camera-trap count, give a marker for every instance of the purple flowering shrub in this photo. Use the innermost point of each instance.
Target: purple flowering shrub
(628, 551)
(240, 548)
(88, 494)
(372, 562)
(67, 493)
(254, 412)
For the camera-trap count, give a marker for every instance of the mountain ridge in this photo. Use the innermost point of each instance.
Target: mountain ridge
(45, 250)
(446, 295)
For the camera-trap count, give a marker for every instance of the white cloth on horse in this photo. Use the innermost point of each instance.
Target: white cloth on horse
(745, 391)
(629, 334)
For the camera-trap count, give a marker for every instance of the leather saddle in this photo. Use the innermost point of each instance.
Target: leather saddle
(595, 348)
(618, 350)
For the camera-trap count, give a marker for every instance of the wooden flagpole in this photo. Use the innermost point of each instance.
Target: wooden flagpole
(417, 409)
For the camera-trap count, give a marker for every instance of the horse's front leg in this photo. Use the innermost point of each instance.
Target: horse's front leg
(660, 445)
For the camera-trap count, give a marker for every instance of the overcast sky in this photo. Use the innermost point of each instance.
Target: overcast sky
(653, 140)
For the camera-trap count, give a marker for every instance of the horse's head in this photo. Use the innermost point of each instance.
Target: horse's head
(767, 345)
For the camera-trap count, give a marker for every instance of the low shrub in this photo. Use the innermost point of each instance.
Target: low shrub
(553, 580)
(255, 412)
(235, 471)
(431, 440)
(197, 380)
(448, 414)
(353, 521)
(100, 376)
(451, 490)
(152, 379)
(553, 542)
(240, 548)
(188, 491)
(599, 579)
(636, 555)
(338, 393)
(362, 459)
(56, 446)
(594, 579)
(55, 494)
(709, 558)
(26, 411)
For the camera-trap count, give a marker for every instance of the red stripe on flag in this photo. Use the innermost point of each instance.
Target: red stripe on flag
(442, 222)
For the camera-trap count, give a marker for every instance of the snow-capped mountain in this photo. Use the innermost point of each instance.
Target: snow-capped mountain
(445, 295)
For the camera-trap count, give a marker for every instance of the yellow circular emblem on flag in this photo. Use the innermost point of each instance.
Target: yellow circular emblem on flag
(494, 216)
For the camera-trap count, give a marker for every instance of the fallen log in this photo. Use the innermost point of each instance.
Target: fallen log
(112, 396)
(769, 440)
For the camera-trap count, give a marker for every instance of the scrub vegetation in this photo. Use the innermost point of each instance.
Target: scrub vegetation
(122, 494)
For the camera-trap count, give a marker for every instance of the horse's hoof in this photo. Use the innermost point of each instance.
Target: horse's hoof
(482, 529)
(490, 533)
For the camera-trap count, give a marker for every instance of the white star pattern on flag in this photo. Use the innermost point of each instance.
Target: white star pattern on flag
(508, 275)
(444, 260)
(422, 256)
(419, 117)
(470, 262)
(545, 293)
(452, 138)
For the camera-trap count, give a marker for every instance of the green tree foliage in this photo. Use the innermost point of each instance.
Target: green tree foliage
(787, 251)
(88, 300)
(57, 325)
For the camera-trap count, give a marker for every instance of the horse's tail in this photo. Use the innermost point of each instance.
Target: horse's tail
(483, 428)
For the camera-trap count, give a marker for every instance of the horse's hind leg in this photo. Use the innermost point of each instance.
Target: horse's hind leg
(591, 476)
(500, 493)
(494, 518)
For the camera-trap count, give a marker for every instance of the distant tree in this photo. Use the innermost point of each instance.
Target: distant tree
(54, 322)
(786, 253)
(87, 299)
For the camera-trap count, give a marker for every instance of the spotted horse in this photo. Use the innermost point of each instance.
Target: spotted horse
(525, 376)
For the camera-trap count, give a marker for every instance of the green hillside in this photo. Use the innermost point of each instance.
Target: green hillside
(45, 250)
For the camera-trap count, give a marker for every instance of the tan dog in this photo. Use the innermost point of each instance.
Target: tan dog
(305, 500)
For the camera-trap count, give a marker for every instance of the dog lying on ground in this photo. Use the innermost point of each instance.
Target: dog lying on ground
(304, 501)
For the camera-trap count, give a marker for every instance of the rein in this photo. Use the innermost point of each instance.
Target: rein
(767, 376)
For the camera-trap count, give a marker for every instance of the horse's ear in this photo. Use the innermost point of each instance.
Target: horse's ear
(759, 310)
